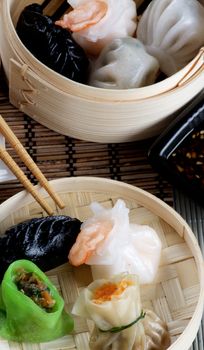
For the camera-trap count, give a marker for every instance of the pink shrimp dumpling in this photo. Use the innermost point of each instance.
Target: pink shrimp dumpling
(95, 23)
(110, 244)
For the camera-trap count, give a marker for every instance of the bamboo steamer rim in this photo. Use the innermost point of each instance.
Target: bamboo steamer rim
(169, 85)
(144, 198)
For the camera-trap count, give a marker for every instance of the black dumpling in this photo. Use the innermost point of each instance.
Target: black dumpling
(44, 241)
(51, 44)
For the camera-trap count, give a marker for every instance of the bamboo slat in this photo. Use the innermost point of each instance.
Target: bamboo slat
(176, 296)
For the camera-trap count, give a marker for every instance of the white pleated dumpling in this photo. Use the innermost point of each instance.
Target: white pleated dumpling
(156, 332)
(95, 23)
(124, 64)
(173, 32)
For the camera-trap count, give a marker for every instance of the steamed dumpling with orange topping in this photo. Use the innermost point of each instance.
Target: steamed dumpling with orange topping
(113, 303)
(95, 23)
(120, 323)
(112, 245)
(173, 32)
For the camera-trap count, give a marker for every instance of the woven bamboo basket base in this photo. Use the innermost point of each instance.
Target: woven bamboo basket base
(173, 296)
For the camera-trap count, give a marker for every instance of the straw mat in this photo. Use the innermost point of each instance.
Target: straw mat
(60, 156)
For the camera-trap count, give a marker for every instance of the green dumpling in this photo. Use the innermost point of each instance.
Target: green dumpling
(31, 309)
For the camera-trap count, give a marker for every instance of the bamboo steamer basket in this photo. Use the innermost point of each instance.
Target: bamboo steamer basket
(177, 294)
(86, 112)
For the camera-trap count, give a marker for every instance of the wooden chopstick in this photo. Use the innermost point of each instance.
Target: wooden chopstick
(11, 164)
(6, 131)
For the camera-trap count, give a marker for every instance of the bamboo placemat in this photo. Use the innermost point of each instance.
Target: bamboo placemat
(60, 156)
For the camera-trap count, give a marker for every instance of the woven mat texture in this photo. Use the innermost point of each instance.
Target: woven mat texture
(60, 156)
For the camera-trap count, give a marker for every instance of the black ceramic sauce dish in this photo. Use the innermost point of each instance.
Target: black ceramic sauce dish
(178, 154)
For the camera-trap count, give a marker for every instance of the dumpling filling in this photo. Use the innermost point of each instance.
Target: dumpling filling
(84, 16)
(108, 291)
(30, 285)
